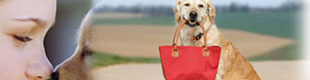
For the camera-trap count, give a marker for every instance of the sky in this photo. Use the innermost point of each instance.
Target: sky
(251, 3)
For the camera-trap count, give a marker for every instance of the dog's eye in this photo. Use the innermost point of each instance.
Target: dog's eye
(22, 38)
(201, 6)
(87, 52)
(187, 4)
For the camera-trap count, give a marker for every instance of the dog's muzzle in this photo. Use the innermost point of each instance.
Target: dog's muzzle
(192, 22)
(55, 76)
(193, 15)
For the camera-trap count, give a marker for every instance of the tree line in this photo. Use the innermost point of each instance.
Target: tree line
(289, 6)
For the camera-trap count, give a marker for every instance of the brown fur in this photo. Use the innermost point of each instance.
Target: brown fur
(75, 69)
(233, 65)
(236, 66)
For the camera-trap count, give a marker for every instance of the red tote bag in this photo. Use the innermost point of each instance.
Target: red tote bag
(189, 62)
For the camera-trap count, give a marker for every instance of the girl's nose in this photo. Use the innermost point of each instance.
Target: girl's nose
(39, 70)
(39, 67)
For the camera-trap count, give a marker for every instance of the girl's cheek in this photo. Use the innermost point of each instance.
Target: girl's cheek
(12, 60)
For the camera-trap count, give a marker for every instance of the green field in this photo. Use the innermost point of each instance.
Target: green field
(106, 59)
(291, 52)
(283, 25)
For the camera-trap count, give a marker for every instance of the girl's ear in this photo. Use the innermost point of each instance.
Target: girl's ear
(211, 10)
(177, 14)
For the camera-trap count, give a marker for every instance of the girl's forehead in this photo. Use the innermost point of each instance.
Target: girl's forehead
(44, 10)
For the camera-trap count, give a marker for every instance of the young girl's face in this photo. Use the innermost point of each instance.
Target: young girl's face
(23, 25)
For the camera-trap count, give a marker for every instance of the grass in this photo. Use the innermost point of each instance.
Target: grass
(283, 25)
(106, 59)
(290, 52)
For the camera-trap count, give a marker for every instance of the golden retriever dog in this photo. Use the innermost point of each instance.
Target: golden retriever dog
(77, 67)
(233, 65)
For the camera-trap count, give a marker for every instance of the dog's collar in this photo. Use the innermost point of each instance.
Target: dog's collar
(198, 37)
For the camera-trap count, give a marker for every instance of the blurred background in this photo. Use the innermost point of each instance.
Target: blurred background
(127, 34)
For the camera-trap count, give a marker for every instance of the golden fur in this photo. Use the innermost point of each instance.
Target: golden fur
(233, 65)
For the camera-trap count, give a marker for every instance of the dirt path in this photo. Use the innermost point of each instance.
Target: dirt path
(280, 70)
(271, 70)
(143, 41)
(129, 72)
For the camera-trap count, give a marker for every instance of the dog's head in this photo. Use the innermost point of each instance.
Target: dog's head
(194, 11)
(75, 68)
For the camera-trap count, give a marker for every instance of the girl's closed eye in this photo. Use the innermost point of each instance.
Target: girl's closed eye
(22, 38)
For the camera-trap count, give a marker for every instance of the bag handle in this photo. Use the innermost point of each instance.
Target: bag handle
(205, 51)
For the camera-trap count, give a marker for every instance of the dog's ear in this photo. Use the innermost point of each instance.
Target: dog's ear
(211, 10)
(177, 15)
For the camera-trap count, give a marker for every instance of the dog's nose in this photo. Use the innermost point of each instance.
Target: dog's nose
(193, 14)
(55, 76)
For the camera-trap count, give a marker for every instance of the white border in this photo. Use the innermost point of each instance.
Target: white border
(306, 40)
(306, 28)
